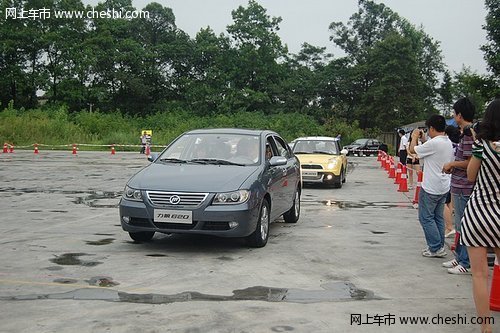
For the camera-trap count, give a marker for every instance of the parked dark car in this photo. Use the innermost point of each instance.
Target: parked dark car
(223, 182)
(365, 147)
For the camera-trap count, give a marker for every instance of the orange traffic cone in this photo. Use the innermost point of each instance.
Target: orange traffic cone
(379, 156)
(5, 148)
(148, 150)
(398, 174)
(419, 184)
(11, 149)
(112, 149)
(403, 185)
(74, 149)
(495, 288)
(392, 170)
(36, 148)
(387, 165)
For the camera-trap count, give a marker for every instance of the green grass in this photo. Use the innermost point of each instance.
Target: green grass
(54, 125)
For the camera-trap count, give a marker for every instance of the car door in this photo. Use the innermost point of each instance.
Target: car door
(291, 173)
(342, 157)
(374, 145)
(276, 175)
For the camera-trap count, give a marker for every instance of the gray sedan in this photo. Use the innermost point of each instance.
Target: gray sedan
(223, 182)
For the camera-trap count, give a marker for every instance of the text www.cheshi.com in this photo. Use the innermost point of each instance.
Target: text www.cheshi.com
(392, 319)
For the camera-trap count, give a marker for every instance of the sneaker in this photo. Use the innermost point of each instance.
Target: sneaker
(459, 270)
(438, 254)
(451, 263)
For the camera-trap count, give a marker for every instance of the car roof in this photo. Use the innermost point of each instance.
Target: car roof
(244, 131)
(322, 138)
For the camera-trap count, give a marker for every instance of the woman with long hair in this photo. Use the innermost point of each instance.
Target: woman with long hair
(481, 220)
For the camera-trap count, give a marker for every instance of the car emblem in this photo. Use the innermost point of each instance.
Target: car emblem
(175, 200)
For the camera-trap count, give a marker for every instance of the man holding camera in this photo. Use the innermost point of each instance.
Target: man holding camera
(461, 187)
(434, 154)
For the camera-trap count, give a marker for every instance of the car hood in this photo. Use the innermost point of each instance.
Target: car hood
(315, 158)
(191, 177)
(352, 146)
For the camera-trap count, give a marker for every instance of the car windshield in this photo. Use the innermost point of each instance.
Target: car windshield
(221, 149)
(359, 142)
(315, 147)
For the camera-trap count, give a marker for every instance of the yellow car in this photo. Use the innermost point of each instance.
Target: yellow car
(321, 160)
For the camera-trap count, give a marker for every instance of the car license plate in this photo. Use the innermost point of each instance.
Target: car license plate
(310, 173)
(173, 216)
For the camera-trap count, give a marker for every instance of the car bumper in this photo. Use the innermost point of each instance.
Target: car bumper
(324, 177)
(208, 219)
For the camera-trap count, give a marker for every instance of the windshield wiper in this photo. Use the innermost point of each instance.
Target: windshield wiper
(173, 160)
(301, 152)
(214, 161)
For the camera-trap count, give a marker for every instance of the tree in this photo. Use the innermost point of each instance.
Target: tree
(394, 66)
(256, 72)
(446, 94)
(492, 47)
(480, 88)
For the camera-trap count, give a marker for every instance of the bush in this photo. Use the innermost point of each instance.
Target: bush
(53, 125)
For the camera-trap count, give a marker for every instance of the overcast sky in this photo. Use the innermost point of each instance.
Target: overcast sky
(456, 24)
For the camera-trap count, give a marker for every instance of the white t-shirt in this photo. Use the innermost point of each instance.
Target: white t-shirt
(435, 153)
(403, 143)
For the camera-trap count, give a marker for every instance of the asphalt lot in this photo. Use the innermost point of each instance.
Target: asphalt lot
(66, 265)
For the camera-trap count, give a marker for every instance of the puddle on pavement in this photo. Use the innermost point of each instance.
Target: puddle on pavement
(102, 281)
(224, 258)
(98, 199)
(65, 281)
(378, 232)
(339, 291)
(357, 205)
(54, 268)
(104, 241)
(372, 242)
(71, 259)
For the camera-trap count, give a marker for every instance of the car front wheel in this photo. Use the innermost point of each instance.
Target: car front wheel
(261, 234)
(142, 236)
(292, 216)
(338, 183)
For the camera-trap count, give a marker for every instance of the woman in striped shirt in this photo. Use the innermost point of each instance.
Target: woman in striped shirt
(481, 220)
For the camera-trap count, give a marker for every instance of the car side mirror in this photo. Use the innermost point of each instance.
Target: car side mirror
(277, 161)
(152, 157)
(344, 151)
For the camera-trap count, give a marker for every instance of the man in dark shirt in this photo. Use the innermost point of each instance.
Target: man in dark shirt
(461, 188)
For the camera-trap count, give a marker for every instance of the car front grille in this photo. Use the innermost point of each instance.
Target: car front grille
(178, 226)
(311, 166)
(176, 199)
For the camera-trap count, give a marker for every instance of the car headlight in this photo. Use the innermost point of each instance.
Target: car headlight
(332, 164)
(235, 197)
(132, 194)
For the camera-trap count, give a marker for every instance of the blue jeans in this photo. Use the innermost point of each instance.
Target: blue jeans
(430, 215)
(459, 203)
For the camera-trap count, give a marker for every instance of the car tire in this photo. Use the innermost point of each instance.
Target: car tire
(292, 215)
(338, 184)
(345, 176)
(142, 236)
(261, 234)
